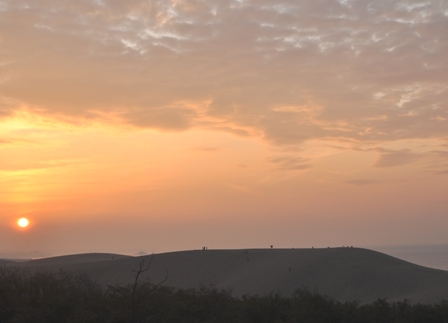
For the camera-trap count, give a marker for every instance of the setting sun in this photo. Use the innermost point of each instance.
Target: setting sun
(23, 222)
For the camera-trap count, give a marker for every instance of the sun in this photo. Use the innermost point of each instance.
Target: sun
(23, 222)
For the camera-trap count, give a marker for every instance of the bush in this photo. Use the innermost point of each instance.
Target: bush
(27, 296)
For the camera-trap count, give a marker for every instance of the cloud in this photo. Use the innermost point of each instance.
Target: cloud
(7, 106)
(436, 162)
(361, 182)
(392, 158)
(170, 119)
(45, 164)
(289, 163)
(365, 71)
(20, 141)
(208, 149)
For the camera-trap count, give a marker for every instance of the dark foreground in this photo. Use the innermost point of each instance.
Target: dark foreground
(27, 296)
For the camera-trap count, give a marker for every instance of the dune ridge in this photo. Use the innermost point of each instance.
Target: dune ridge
(345, 274)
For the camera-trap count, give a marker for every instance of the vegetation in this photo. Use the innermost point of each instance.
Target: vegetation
(27, 296)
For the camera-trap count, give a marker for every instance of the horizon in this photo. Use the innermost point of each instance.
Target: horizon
(180, 124)
(431, 256)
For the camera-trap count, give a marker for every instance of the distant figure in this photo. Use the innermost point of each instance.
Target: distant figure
(272, 246)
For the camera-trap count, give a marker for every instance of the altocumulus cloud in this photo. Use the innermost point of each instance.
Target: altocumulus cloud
(286, 72)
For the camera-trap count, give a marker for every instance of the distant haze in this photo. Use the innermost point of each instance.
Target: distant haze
(130, 126)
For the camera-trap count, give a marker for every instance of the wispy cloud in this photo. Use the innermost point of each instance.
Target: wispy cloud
(288, 72)
(30, 165)
(208, 149)
(437, 162)
(290, 163)
(392, 158)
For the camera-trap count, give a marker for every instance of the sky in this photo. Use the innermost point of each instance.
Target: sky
(177, 124)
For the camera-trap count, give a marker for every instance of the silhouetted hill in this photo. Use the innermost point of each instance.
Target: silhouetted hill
(345, 274)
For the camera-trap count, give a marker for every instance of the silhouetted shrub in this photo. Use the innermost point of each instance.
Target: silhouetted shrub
(27, 296)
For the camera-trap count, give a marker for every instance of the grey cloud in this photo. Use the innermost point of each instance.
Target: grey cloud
(433, 161)
(233, 130)
(391, 158)
(376, 69)
(172, 119)
(289, 163)
(436, 161)
(442, 154)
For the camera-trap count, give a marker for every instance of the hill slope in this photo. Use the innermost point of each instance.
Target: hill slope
(346, 274)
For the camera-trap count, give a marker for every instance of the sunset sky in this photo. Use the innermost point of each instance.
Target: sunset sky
(171, 125)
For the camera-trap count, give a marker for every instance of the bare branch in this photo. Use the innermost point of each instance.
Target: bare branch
(164, 280)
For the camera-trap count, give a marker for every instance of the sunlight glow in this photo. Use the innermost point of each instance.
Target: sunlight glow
(23, 222)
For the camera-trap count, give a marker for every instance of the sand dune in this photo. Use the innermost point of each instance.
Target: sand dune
(346, 274)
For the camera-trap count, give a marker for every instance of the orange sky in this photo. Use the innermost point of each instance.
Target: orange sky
(171, 125)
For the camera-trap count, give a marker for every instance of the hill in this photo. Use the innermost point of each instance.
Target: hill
(345, 274)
